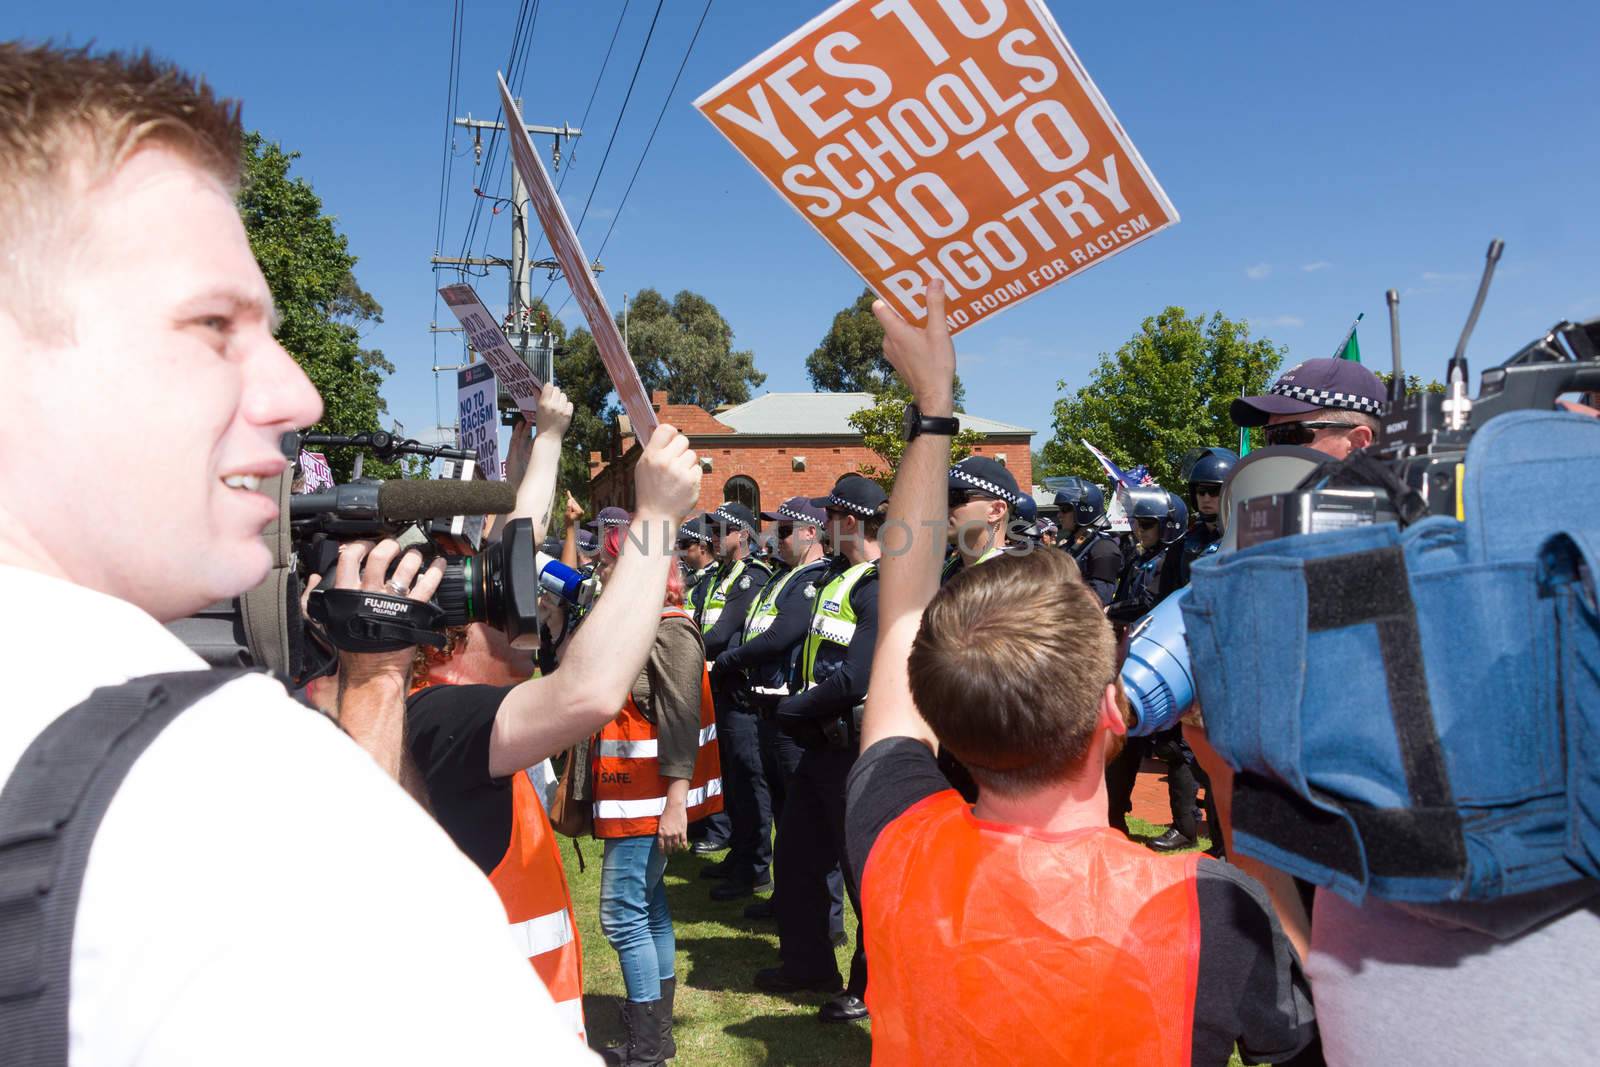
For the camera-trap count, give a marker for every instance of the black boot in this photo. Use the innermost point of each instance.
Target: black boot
(669, 989)
(642, 1044)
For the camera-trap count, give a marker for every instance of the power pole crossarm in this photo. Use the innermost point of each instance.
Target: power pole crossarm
(562, 130)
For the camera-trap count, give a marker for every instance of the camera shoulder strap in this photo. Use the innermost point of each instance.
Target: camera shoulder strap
(50, 809)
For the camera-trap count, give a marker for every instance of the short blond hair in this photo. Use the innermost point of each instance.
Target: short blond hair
(68, 120)
(1009, 668)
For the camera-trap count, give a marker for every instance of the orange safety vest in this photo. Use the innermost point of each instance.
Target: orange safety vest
(629, 792)
(532, 884)
(998, 944)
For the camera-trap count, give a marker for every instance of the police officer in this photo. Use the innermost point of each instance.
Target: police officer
(735, 585)
(1159, 521)
(767, 656)
(1084, 536)
(983, 498)
(824, 719)
(699, 564)
(1205, 470)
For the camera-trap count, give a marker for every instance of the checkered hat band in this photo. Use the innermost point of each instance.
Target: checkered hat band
(853, 508)
(727, 516)
(784, 512)
(614, 522)
(686, 533)
(1324, 398)
(985, 486)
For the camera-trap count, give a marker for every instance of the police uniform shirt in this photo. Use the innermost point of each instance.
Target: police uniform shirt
(837, 695)
(788, 630)
(1099, 561)
(741, 594)
(1140, 588)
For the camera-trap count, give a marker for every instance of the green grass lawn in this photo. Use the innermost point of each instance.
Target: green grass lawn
(721, 1018)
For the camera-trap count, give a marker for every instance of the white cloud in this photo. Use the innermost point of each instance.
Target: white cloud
(1320, 264)
(1257, 272)
(1287, 321)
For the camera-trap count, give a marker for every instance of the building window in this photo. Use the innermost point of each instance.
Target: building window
(744, 491)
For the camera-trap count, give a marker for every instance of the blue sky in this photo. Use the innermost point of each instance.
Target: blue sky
(1318, 155)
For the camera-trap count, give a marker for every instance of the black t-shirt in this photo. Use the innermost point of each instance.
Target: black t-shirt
(447, 733)
(1250, 990)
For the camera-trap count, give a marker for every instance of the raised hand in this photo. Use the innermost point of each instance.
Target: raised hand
(555, 411)
(925, 359)
(667, 478)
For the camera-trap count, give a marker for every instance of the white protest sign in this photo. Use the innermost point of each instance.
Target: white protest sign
(943, 138)
(479, 418)
(575, 265)
(316, 472)
(487, 340)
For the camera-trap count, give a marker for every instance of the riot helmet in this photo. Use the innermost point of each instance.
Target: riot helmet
(1207, 466)
(1083, 498)
(1156, 504)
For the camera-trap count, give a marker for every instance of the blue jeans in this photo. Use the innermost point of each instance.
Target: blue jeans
(634, 915)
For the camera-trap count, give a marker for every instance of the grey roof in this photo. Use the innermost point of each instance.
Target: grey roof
(825, 414)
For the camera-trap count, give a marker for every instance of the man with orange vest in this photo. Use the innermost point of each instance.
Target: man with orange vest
(470, 746)
(1021, 928)
(499, 823)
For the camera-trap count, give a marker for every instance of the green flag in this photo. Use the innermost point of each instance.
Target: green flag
(1244, 441)
(1351, 348)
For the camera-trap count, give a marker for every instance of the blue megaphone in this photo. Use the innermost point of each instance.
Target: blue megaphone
(1156, 676)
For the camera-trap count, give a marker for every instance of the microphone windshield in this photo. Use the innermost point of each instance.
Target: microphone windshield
(413, 499)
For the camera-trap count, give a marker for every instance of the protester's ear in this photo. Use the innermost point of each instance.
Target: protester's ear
(1113, 709)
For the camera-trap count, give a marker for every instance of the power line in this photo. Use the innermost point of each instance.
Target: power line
(667, 100)
(638, 64)
(652, 138)
(494, 135)
(583, 123)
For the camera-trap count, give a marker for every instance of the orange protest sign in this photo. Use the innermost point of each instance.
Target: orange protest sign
(958, 139)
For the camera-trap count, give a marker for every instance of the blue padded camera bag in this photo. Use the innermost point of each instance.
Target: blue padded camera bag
(1416, 714)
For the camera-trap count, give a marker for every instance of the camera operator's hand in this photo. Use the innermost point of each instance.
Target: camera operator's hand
(924, 358)
(555, 412)
(667, 478)
(364, 565)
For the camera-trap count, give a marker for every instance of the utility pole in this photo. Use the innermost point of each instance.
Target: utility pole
(518, 324)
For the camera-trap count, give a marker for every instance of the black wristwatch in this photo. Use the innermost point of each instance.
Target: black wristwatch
(916, 424)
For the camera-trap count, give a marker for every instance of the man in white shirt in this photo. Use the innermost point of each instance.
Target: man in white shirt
(258, 891)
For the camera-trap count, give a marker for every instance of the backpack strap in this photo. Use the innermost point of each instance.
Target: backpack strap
(50, 809)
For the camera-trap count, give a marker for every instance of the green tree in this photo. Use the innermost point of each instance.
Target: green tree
(850, 357)
(1164, 392)
(1413, 383)
(881, 427)
(684, 346)
(308, 267)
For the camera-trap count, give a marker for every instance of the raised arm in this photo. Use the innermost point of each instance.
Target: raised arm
(918, 510)
(532, 466)
(542, 716)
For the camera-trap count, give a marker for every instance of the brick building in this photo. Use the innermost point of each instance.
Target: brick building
(777, 446)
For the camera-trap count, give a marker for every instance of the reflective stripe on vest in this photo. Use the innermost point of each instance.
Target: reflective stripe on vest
(764, 612)
(629, 792)
(533, 888)
(991, 908)
(652, 809)
(833, 623)
(717, 598)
